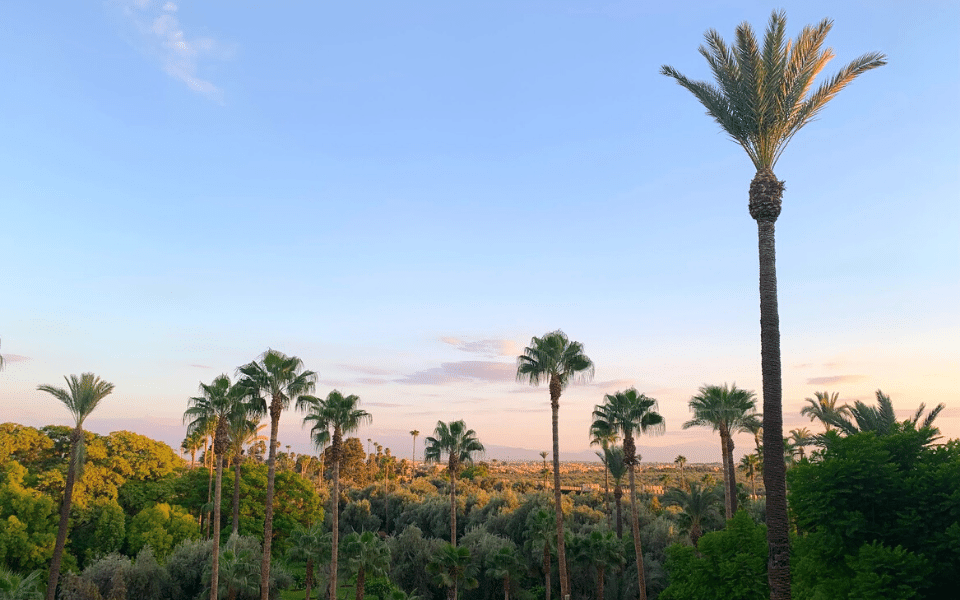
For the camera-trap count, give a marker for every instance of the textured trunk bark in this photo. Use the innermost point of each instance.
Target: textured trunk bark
(732, 482)
(561, 547)
(606, 493)
(335, 512)
(637, 547)
(236, 496)
(774, 469)
(64, 516)
(618, 497)
(728, 513)
(215, 563)
(361, 583)
(210, 468)
(275, 409)
(600, 576)
(309, 578)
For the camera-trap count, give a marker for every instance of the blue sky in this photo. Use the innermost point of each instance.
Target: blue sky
(403, 194)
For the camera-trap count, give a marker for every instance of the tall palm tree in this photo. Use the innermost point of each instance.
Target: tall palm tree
(762, 98)
(725, 410)
(282, 378)
(415, 433)
(698, 505)
(824, 407)
(453, 568)
(556, 359)
(630, 412)
(680, 461)
(459, 444)
(213, 409)
(330, 419)
(81, 397)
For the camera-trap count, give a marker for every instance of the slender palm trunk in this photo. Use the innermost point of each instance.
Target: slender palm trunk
(215, 566)
(600, 575)
(635, 528)
(236, 495)
(732, 482)
(618, 498)
(547, 572)
(64, 515)
(606, 492)
(561, 548)
(361, 582)
(210, 454)
(726, 477)
(765, 201)
(453, 508)
(335, 512)
(275, 409)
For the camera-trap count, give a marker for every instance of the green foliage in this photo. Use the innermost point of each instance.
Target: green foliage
(894, 493)
(14, 586)
(98, 530)
(409, 552)
(162, 527)
(28, 522)
(726, 565)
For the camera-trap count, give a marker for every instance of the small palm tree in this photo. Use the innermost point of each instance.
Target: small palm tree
(604, 438)
(613, 459)
(365, 554)
(244, 431)
(16, 587)
(750, 465)
(504, 564)
(453, 569)
(81, 397)
(726, 410)
(698, 505)
(603, 550)
(558, 361)
(239, 570)
(459, 444)
(761, 99)
(799, 438)
(680, 461)
(630, 412)
(309, 545)
(824, 408)
(541, 532)
(413, 471)
(283, 379)
(330, 420)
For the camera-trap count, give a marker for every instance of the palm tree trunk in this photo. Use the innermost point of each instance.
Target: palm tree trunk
(606, 492)
(361, 583)
(215, 566)
(728, 513)
(64, 515)
(561, 549)
(732, 483)
(547, 574)
(209, 489)
(453, 508)
(600, 574)
(774, 468)
(275, 409)
(641, 577)
(618, 498)
(236, 496)
(309, 578)
(335, 512)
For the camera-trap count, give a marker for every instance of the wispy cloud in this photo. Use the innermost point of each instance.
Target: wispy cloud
(489, 347)
(12, 358)
(179, 54)
(833, 379)
(201, 366)
(463, 372)
(364, 369)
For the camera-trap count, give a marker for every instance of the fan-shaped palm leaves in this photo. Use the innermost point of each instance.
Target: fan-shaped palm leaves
(541, 533)
(824, 408)
(750, 465)
(282, 379)
(726, 410)
(366, 554)
(330, 419)
(244, 430)
(629, 412)
(698, 505)
(762, 96)
(603, 550)
(81, 397)
(504, 564)
(558, 361)
(459, 444)
(453, 569)
(309, 545)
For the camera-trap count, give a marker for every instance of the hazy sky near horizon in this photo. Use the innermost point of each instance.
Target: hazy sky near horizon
(403, 194)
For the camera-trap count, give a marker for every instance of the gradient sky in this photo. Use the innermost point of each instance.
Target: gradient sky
(403, 194)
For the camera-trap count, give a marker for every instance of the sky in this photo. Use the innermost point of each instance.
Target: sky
(404, 194)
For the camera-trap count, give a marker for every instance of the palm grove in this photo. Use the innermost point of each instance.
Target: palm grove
(151, 532)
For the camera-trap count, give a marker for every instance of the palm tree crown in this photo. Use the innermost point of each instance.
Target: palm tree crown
(824, 407)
